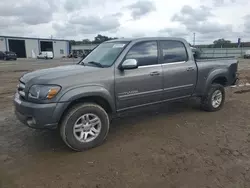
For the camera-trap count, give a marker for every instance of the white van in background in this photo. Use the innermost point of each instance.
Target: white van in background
(45, 55)
(247, 54)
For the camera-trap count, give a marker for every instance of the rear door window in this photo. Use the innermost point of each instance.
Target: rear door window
(173, 51)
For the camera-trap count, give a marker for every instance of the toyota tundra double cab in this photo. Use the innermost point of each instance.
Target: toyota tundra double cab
(118, 76)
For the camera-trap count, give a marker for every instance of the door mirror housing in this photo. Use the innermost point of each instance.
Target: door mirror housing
(129, 64)
(196, 53)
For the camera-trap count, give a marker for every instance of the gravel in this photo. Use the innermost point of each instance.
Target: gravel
(172, 145)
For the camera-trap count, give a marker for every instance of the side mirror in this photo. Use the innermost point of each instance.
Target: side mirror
(129, 64)
(196, 53)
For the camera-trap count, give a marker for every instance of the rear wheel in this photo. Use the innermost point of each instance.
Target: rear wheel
(215, 98)
(85, 126)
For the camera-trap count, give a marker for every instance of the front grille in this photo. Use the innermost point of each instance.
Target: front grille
(21, 89)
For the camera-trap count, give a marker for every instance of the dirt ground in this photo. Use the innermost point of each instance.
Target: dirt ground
(174, 145)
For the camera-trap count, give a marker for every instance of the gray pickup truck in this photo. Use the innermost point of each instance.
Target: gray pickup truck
(118, 76)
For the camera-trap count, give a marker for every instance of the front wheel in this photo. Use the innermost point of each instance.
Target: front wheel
(214, 99)
(85, 126)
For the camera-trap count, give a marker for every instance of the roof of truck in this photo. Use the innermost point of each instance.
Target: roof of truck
(145, 38)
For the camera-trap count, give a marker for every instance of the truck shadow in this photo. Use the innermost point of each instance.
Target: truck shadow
(50, 141)
(143, 115)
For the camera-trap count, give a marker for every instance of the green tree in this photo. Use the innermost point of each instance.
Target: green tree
(86, 41)
(98, 39)
(221, 43)
(72, 42)
(102, 38)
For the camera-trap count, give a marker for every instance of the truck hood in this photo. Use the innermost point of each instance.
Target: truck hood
(57, 73)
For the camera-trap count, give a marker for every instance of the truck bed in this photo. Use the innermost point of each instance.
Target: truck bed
(209, 67)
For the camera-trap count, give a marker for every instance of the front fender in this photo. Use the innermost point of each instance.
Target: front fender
(213, 75)
(88, 91)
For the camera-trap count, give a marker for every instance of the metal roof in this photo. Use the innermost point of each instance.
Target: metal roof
(14, 37)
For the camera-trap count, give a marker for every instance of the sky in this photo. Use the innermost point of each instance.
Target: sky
(82, 19)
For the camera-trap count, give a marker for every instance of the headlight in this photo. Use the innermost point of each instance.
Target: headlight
(43, 92)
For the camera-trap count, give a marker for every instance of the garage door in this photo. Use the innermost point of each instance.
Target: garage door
(46, 46)
(17, 46)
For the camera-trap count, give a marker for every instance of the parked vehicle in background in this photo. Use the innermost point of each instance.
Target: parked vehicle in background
(7, 55)
(45, 55)
(85, 53)
(72, 55)
(118, 76)
(247, 54)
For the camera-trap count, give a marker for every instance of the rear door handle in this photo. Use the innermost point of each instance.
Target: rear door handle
(190, 69)
(155, 73)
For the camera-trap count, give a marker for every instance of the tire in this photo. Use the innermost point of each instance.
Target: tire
(72, 117)
(207, 101)
(5, 58)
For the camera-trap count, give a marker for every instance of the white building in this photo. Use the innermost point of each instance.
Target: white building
(26, 47)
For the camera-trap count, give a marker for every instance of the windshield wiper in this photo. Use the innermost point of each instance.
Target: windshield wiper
(96, 63)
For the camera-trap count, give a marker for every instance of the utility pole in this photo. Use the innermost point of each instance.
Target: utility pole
(194, 40)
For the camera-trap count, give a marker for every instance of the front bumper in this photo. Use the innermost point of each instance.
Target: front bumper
(236, 79)
(38, 116)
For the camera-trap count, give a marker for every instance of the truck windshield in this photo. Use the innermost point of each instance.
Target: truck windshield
(105, 54)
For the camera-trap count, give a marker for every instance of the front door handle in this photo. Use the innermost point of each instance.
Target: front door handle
(155, 73)
(190, 69)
